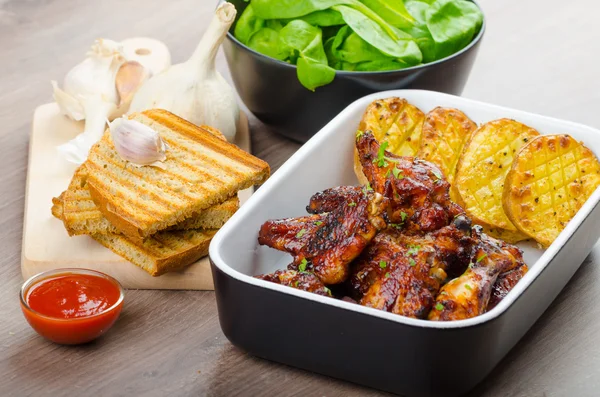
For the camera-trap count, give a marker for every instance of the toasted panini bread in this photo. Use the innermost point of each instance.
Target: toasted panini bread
(164, 252)
(482, 169)
(200, 171)
(395, 121)
(81, 216)
(549, 181)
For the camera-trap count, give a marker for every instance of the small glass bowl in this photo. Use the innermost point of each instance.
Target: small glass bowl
(72, 331)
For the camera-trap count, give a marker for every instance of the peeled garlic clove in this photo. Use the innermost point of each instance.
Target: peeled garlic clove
(68, 104)
(137, 143)
(130, 77)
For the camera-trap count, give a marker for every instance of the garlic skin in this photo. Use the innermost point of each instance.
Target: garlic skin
(101, 87)
(194, 90)
(137, 143)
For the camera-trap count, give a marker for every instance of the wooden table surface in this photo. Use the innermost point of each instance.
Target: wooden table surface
(539, 56)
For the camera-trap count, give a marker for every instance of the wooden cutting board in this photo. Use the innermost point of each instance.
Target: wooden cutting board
(46, 244)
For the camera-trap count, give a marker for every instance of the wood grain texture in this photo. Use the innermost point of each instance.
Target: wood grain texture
(536, 56)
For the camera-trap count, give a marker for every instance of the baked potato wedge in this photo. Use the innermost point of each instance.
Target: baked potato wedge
(445, 132)
(482, 169)
(393, 120)
(550, 179)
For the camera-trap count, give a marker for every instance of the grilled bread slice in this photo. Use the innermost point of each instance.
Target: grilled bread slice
(200, 171)
(164, 252)
(81, 216)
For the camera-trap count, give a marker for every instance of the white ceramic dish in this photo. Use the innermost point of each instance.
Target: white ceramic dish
(251, 309)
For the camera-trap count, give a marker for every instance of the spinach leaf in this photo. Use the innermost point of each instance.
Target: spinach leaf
(402, 47)
(354, 49)
(378, 65)
(394, 12)
(266, 41)
(453, 25)
(307, 41)
(327, 17)
(247, 25)
(288, 9)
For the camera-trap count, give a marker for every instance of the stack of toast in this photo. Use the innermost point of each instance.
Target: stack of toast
(159, 218)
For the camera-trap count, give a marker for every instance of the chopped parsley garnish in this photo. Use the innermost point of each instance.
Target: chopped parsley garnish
(397, 173)
(437, 174)
(387, 275)
(380, 160)
(352, 204)
(396, 225)
(302, 265)
(411, 262)
(439, 307)
(318, 223)
(382, 264)
(296, 283)
(403, 216)
(327, 290)
(369, 188)
(468, 286)
(389, 171)
(443, 293)
(359, 133)
(301, 233)
(482, 257)
(413, 249)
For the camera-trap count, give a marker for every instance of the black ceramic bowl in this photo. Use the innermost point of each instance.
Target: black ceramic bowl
(272, 92)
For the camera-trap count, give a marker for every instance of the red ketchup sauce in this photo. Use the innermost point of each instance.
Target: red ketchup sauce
(72, 308)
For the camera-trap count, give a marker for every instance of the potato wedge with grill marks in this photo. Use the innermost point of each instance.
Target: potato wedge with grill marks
(550, 180)
(445, 132)
(395, 121)
(482, 169)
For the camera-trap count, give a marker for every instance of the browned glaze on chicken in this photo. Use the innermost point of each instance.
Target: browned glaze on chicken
(305, 281)
(403, 273)
(326, 243)
(505, 283)
(469, 294)
(418, 193)
(396, 242)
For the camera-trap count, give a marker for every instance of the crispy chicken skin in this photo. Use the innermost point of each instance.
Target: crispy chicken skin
(402, 273)
(327, 242)
(305, 281)
(418, 193)
(505, 283)
(469, 294)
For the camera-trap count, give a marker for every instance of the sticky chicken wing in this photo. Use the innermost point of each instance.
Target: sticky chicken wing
(346, 219)
(418, 193)
(402, 273)
(468, 295)
(305, 281)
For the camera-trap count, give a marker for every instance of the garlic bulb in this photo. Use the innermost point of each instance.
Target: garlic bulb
(137, 143)
(194, 90)
(102, 86)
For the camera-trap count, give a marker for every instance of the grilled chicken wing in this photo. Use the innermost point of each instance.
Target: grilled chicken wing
(327, 242)
(468, 295)
(305, 281)
(505, 283)
(418, 193)
(402, 273)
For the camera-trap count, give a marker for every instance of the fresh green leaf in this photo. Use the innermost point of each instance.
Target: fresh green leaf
(380, 160)
(266, 41)
(323, 18)
(482, 257)
(397, 173)
(301, 233)
(382, 264)
(247, 25)
(439, 306)
(302, 265)
(288, 9)
(393, 12)
(413, 249)
(453, 24)
(398, 44)
(403, 215)
(468, 286)
(352, 204)
(318, 223)
(411, 262)
(387, 275)
(396, 226)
